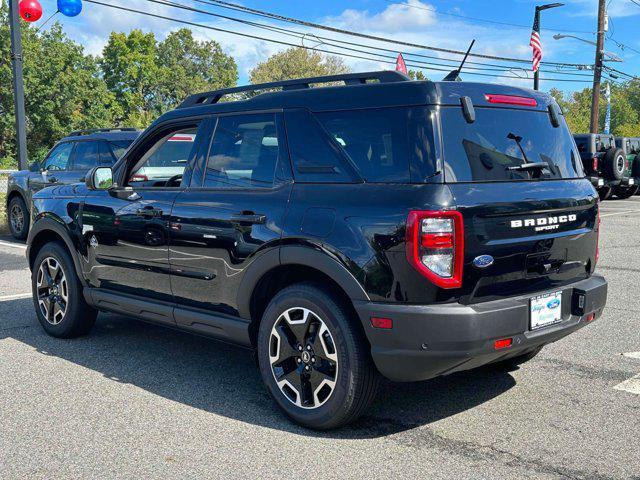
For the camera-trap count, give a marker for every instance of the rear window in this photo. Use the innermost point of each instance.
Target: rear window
(500, 141)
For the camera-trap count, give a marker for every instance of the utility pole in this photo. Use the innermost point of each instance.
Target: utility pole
(18, 84)
(597, 73)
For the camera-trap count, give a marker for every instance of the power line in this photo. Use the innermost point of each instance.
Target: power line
(485, 20)
(332, 42)
(247, 35)
(263, 13)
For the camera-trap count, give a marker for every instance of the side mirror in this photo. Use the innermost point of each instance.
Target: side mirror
(99, 178)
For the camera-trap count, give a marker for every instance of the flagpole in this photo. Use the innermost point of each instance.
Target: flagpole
(536, 73)
(536, 21)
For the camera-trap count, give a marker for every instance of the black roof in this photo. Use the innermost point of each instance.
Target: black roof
(112, 134)
(363, 90)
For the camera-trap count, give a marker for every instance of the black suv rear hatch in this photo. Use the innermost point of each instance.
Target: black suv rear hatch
(518, 181)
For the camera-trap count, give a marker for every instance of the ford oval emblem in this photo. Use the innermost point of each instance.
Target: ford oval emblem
(555, 303)
(483, 261)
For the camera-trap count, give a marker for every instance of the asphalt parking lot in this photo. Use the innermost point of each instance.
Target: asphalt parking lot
(134, 400)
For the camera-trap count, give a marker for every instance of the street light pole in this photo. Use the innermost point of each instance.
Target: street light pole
(597, 74)
(18, 84)
(536, 21)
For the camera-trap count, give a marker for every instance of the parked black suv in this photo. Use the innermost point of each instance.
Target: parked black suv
(631, 148)
(68, 162)
(407, 228)
(606, 164)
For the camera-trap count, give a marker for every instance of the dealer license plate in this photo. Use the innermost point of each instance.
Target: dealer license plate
(546, 310)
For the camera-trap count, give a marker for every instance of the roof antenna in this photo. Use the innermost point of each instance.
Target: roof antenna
(454, 75)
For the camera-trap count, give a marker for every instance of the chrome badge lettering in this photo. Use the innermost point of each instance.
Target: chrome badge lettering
(544, 223)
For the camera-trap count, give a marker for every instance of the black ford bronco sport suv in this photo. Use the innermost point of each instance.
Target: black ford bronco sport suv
(67, 162)
(373, 226)
(605, 164)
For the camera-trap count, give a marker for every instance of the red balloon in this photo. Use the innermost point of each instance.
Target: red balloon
(30, 10)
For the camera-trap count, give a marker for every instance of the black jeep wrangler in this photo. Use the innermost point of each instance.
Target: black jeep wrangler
(374, 226)
(606, 164)
(631, 148)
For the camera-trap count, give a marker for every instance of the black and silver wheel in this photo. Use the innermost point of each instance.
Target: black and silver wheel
(57, 294)
(303, 357)
(52, 290)
(18, 218)
(314, 358)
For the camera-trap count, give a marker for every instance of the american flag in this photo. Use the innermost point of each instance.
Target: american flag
(536, 44)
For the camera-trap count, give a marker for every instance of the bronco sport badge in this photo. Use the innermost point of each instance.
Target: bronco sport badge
(544, 223)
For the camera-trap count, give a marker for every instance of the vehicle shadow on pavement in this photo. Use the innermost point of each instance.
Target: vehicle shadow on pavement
(224, 380)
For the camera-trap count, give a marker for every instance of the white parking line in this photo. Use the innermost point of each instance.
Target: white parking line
(14, 245)
(17, 296)
(633, 384)
(618, 213)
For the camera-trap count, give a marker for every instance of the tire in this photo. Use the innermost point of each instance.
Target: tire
(614, 164)
(513, 362)
(18, 218)
(605, 193)
(339, 353)
(69, 316)
(626, 192)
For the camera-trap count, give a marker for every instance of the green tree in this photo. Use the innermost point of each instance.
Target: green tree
(417, 75)
(130, 71)
(63, 89)
(189, 66)
(296, 62)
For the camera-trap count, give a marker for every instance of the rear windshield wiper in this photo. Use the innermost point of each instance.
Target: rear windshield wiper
(529, 166)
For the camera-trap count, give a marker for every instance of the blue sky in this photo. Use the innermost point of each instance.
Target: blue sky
(446, 24)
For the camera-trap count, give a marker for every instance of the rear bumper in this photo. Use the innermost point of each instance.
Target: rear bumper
(431, 340)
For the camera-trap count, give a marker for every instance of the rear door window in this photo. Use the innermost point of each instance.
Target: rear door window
(246, 152)
(501, 140)
(86, 155)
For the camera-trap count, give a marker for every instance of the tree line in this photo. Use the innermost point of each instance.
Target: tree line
(137, 78)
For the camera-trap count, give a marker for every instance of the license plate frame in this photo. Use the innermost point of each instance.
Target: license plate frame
(545, 310)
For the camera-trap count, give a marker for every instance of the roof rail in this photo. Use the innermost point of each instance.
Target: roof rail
(209, 98)
(89, 131)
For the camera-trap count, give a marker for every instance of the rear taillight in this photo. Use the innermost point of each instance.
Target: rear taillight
(511, 100)
(435, 246)
(595, 164)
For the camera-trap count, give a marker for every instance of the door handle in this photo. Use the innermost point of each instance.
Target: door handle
(249, 218)
(149, 212)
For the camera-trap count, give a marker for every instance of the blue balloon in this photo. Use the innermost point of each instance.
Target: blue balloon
(70, 8)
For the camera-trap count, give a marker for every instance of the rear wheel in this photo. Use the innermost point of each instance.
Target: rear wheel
(605, 193)
(18, 217)
(57, 294)
(313, 359)
(626, 192)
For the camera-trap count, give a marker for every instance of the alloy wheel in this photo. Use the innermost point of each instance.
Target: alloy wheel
(16, 217)
(303, 357)
(52, 290)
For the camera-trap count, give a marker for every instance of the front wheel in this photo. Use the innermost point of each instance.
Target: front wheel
(57, 294)
(314, 359)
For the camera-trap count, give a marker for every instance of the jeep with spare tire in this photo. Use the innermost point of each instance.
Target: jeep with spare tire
(341, 228)
(605, 164)
(631, 148)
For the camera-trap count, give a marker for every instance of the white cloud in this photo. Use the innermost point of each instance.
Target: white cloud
(395, 18)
